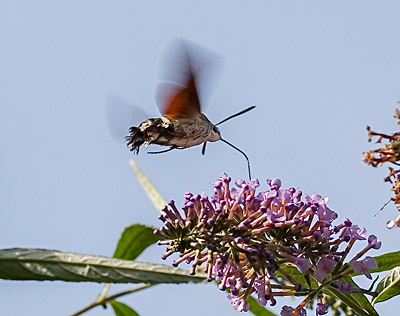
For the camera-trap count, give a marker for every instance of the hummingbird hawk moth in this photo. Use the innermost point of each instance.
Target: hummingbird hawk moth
(182, 124)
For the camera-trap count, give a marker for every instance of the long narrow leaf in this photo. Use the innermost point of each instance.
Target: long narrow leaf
(349, 300)
(387, 261)
(154, 195)
(361, 298)
(43, 264)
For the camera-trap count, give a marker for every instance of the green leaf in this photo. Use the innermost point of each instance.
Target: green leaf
(43, 264)
(388, 287)
(154, 195)
(121, 309)
(349, 300)
(258, 310)
(387, 261)
(134, 240)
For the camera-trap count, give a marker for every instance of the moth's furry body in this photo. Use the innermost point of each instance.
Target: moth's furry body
(176, 133)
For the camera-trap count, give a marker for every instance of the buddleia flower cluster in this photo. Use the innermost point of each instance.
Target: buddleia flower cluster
(388, 153)
(267, 244)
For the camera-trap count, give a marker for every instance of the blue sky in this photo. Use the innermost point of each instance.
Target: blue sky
(318, 72)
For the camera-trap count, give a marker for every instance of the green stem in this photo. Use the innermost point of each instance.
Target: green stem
(106, 300)
(103, 294)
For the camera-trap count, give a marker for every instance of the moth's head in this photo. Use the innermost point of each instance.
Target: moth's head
(215, 134)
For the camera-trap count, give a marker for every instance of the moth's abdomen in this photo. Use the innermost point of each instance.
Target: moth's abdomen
(135, 139)
(154, 130)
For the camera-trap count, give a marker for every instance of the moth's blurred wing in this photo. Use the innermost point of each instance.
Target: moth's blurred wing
(186, 74)
(121, 115)
(177, 101)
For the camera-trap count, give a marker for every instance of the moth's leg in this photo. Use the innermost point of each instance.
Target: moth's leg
(162, 151)
(203, 150)
(166, 150)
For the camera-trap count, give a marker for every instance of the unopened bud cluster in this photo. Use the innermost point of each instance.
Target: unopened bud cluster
(255, 243)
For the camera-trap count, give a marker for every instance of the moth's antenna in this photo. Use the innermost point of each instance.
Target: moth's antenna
(203, 150)
(237, 114)
(242, 152)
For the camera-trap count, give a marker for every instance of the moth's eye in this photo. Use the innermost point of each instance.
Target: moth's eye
(215, 130)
